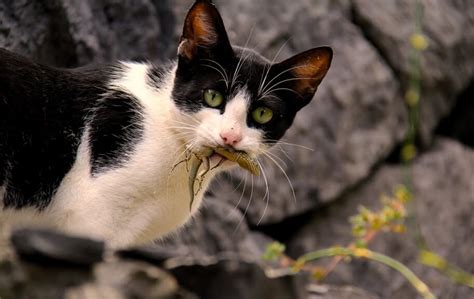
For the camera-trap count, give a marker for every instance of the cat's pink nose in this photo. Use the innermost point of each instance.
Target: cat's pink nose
(231, 137)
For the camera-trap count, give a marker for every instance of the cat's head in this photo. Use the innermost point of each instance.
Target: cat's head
(234, 97)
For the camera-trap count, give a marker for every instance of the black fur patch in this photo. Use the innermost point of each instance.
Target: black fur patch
(42, 117)
(116, 126)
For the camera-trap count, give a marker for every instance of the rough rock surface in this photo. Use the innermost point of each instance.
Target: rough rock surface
(125, 275)
(355, 122)
(443, 205)
(448, 28)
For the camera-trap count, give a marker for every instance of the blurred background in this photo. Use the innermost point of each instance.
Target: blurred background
(346, 149)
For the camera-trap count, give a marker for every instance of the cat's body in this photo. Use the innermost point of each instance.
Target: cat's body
(88, 185)
(96, 152)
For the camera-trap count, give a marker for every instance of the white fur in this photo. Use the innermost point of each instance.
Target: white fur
(144, 199)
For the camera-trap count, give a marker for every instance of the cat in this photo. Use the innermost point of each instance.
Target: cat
(96, 152)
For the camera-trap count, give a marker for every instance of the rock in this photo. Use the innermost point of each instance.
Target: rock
(29, 28)
(444, 203)
(459, 124)
(338, 292)
(448, 25)
(68, 33)
(46, 267)
(236, 278)
(129, 280)
(40, 246)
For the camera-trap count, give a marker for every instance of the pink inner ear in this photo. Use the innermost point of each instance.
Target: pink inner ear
(200, 27)
(204, 32)
(312, 68)
(198, 31)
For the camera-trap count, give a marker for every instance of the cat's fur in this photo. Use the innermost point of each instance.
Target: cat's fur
(92, 152)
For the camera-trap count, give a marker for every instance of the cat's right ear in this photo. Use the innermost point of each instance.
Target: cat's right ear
(308, 70)
(204, 34)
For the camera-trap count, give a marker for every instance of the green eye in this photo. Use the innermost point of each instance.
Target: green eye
(262, 115)
(213, 98)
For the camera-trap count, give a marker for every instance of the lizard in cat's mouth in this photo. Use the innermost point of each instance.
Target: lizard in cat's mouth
(203, 158)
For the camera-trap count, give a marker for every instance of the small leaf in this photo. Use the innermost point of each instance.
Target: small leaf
(274, 251)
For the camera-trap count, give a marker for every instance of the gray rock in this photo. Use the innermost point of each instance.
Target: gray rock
(338, 292)
(40, 246)
(443, 205)
(236, 278)
(71, 33)
(114, 280)
(46, 267)
(447, 65)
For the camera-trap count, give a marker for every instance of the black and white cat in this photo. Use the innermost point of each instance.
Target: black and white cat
(91, 151)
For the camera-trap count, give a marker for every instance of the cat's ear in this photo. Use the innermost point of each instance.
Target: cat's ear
(307, 70)
(203, 33)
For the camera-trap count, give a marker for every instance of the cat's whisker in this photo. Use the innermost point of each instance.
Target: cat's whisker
(208, 132)
(241, 59)
(193, 118)
(277, 158)
(266, 196)
(277, 76)
(236, 75)
(221, 70)
(279, 148)
(244, 179)
(282, 89)
(191, 128)
(268, 96)
(262, 81)
(273, 87)
(246, 208)
(279, 142)
(284, 173)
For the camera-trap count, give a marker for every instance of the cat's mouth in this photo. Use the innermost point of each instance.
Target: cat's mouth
(223, 154)
(201, 165)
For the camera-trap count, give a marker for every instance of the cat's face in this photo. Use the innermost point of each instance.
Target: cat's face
(234, 97)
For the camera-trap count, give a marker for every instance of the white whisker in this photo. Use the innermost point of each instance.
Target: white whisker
(241, 59)
(284, 173)
(243, 192)
(267, 192)
(246, 208)
(262, 82)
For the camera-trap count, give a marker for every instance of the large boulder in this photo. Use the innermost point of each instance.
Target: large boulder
(74, 33)
(447, 64)
(443, 206)
(48, 265)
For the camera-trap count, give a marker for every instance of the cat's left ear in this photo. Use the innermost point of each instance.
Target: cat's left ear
(308, 70)
(204, 33)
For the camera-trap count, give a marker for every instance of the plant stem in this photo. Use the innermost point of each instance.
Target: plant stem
(419, 285)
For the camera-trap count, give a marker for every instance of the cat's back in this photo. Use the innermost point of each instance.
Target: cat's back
(23, 81)
(42, 114)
